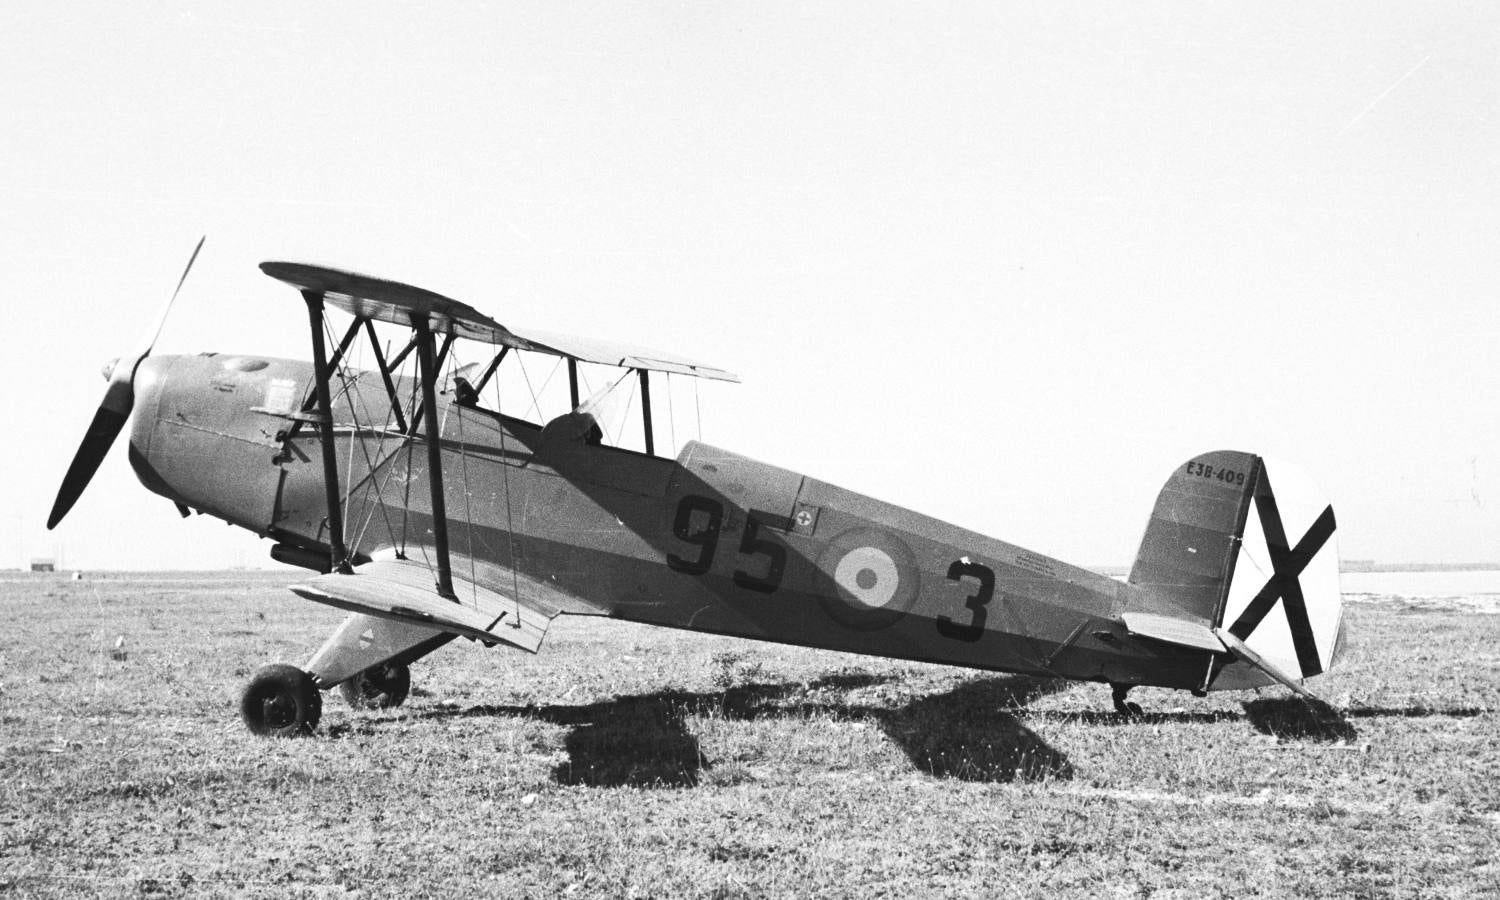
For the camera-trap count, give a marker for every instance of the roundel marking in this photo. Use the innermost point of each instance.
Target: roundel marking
(869, 575)
(874, 579)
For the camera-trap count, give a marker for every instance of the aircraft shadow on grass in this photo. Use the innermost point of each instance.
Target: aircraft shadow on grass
(968, 733)
(1297, 718)
(1314, 720)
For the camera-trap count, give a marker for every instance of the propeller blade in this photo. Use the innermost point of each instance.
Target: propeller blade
(97, 440)
(162, 319)
(112, 414)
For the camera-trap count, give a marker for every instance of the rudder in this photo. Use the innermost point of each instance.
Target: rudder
(1284, 600)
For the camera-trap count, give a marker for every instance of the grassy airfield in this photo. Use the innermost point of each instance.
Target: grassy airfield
(629, 761)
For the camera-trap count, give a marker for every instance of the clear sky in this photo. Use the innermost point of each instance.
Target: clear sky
(1005, 264)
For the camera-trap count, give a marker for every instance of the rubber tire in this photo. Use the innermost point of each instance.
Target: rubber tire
(1123, 707)
(381, 686)
(281, 701)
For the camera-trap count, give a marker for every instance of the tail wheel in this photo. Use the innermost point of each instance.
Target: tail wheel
(1122, 706)
(381, 686)
(281, 701)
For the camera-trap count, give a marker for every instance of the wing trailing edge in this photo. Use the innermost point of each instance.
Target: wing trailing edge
(403, 590)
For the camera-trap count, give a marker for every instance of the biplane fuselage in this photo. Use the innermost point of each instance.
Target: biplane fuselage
(711, 541)
(431, 516)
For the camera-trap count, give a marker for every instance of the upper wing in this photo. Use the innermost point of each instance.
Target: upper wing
(615, 353)
(403, 590)
(397, 303)
(394, 302)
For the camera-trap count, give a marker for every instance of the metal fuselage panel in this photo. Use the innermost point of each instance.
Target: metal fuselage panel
(196, 439)
(712, 541)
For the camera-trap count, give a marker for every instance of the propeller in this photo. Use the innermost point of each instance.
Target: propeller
(113, 411)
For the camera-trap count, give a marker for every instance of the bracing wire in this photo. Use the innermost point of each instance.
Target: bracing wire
(373, 465)
(522, 364)
(510, 525)
(536, 402)
(463, 456)
(671, 415)
(406, 445)
(358, 526)
(338, 371)
(355, 438)
(625, 417)
(411, 448)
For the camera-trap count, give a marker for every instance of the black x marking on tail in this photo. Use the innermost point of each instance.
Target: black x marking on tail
(1287, 563)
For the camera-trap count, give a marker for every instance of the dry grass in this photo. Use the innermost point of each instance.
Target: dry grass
(625, 760)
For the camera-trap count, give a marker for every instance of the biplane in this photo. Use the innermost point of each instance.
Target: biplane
(429, 512)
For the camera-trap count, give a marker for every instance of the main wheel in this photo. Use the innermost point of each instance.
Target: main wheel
(381, 686)
(281, 701)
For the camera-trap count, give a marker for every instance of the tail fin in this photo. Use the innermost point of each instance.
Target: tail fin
(1224, 549)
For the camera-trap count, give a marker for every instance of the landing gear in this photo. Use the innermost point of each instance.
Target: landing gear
(381, 686)
(1123, 707)
(281, 701)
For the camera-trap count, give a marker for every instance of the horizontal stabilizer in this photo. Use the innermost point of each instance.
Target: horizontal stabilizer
(403, 590)
(1183, 632)
(1238, 648)
(1186, 633)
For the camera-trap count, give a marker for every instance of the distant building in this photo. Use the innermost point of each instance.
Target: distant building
(43, 565)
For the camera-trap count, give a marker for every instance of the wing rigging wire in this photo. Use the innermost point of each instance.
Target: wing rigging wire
(411, 447)
(671, 414)
(625, 416)
(339, 370)
(510, 526)
(522, 363)
(583, 378)
(373, 467)
(463, 456)
(536, 402)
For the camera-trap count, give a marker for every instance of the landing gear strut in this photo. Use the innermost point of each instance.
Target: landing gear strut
(381, 686)
(1122, 706)
(281, 701)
